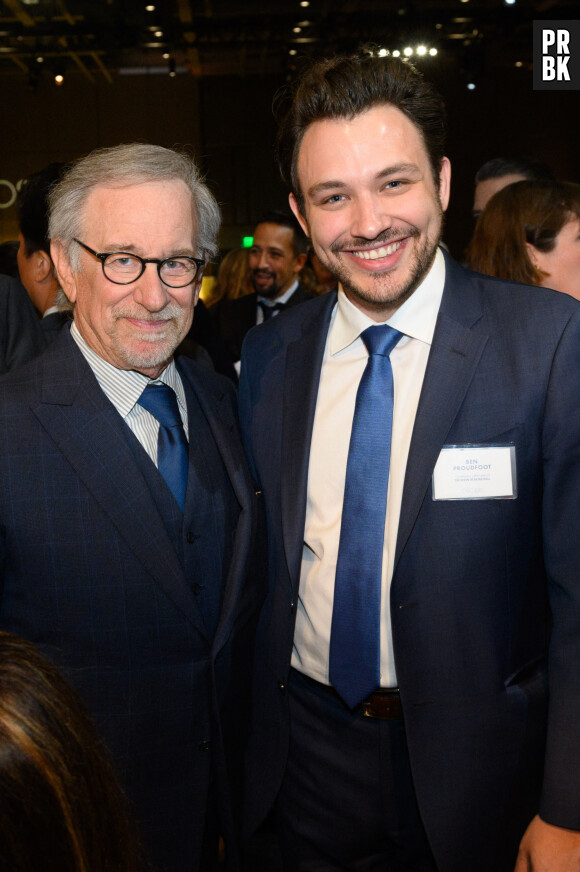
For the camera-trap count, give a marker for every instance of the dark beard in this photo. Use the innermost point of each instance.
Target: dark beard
(269, 293)
(423, 261)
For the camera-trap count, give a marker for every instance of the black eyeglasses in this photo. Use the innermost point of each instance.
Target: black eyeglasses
(124, 268)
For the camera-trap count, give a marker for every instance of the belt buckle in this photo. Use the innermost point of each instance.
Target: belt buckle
(382, 707)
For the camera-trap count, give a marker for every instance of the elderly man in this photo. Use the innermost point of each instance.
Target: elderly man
(417, 439)
(126, 509)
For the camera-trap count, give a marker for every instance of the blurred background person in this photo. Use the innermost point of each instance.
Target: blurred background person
(276, 259)
(233, 278)
(499, 172)
(8, 261)
(325, 281)
(61, 806)
(530, 232)
(21, 337)
(35, 265)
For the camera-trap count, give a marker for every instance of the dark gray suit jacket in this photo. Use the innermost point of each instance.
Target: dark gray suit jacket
(485, 596)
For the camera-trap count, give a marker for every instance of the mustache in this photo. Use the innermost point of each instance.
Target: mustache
(265, 272)
(384, 237)
(171, 311)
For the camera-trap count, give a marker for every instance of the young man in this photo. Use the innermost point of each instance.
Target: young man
(416, 439)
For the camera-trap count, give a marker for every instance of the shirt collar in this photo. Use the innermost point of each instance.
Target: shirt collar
(416, 318)
(283, 298)
(123, 387)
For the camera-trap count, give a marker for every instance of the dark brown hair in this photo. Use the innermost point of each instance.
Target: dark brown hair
(344, 87)
(61, 807)
(532, 211)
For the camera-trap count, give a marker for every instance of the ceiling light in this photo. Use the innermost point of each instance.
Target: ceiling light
(59, 79)
(292, 51)
(421, 50)
(396, 53)
(165, 56)
(408, 51)
(150, 9)
(471, 86)
(158, 34)
(305, 3)
(432, 52)
(296, 30)
(383, 53)
(40, 59)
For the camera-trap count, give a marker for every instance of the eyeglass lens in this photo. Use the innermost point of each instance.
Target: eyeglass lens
(124, 268)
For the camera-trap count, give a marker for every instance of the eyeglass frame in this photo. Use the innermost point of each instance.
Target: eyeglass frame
(102, 256)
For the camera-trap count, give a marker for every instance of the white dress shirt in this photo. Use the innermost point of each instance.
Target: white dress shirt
(123, 387)
(345, 358)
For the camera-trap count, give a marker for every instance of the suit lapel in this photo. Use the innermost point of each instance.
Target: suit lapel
(301, 380)
(220, 417)
(89, 432)
(455, 353)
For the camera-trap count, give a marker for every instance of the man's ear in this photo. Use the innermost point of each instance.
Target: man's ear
(64, 272)
(445, 182)
(299, 217)
(43, 266)
(299, 262)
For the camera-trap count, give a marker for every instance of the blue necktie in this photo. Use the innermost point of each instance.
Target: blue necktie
(172, 449)
(355, 631)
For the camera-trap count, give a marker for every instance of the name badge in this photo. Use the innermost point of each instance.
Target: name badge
(475, 472)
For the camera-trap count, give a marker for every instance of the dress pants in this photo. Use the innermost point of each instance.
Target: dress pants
(347, 800)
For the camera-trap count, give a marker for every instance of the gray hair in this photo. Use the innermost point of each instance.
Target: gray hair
(129, 164)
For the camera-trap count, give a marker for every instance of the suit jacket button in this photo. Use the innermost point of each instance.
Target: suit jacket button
(282, 687)
(205, 745)
(191, 537)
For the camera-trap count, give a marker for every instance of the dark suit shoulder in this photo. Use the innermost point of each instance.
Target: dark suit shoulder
(207, 382)
(516, 312)
(290, 323)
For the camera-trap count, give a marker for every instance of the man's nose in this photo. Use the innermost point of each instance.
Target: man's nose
(370, 217)
(150, 291)
(263, 261)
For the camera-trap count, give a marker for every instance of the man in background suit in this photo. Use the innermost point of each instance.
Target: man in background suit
(35, 264)
(127, 513)
(417, 441)
(277, 255)
(21, 338)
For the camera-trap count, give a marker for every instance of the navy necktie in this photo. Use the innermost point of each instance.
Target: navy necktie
(172, 449)
(355, 630)
(270, 311)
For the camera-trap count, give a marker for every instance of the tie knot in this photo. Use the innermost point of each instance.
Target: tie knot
(161, 402)
(380, 339)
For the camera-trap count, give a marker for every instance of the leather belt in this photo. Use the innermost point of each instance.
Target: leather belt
(384, 704)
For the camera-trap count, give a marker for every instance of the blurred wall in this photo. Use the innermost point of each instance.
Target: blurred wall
(228, 124)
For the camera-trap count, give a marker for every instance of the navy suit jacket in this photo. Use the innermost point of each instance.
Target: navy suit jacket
(92, 574)
(21, 337)
(234, 318)
(485, 595)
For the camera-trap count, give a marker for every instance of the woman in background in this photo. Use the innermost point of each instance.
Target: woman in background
(61, 807)
(530, 232)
